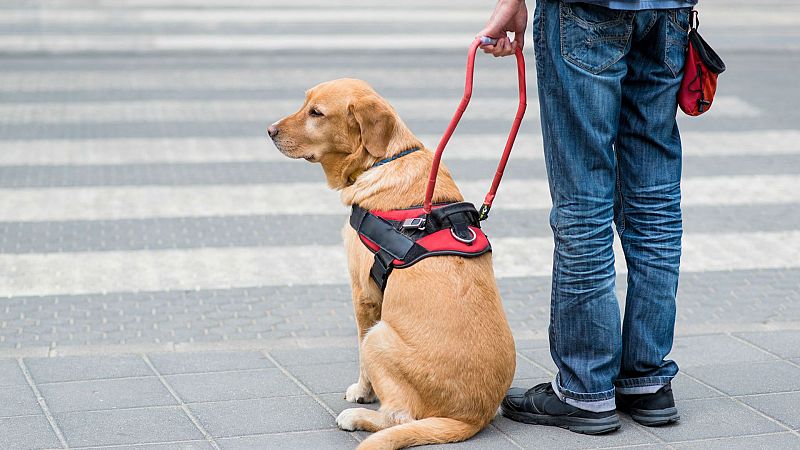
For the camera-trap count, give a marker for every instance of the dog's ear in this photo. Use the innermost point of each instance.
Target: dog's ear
(376, 122)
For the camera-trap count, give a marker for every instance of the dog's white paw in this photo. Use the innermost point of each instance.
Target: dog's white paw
(346, 420)
(358, 394)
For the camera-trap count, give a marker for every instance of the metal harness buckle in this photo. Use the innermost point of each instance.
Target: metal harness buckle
(414, 222)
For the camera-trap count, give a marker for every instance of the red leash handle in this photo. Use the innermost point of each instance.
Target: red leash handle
(512, 136)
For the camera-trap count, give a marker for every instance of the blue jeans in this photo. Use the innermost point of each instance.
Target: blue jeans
(608, 83)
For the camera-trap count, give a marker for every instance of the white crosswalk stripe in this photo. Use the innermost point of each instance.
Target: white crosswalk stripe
(203, 111)
(212, 268)
(99, 203)
(461, 147)
(291, 81)
(267, 111)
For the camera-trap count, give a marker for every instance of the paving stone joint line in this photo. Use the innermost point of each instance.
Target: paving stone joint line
(182, 404)
(42, 403)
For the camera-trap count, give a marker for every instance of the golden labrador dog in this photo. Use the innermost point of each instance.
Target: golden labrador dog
(435, 347)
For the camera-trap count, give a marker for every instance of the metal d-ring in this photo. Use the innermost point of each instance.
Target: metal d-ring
(466, 241)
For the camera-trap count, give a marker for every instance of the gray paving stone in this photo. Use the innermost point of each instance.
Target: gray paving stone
(712, 298)
(337, 403)
(783, 343)
(71, 368)
(327, 378)
(18, 401)
(105, 394)
(27, 432)
(179, 445)
(204, 387)
(11, 374)
(527, 344)
(783, 441)
(542, 437)
(713, 349)
(127, 426)
(262, 416)
(201, 362)
(542, 357)
(308, 356)
(749, 378)
(784, 407)
(488, 438)
(312, 440)
(685, 388)
(526, 369)
(713, 418)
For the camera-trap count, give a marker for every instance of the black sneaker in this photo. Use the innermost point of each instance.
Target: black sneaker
(651, 410)
(540, 405)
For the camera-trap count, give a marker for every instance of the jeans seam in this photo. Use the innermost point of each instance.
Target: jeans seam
(669, 42)
(673, 16)
(621, 221)
(650, 26)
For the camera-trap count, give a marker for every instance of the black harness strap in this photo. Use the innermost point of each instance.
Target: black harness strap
(458, 217)
(381, 232)
(381, 269)
(393, 244)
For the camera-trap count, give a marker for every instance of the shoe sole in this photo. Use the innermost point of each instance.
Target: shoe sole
(655, 417)
(575, 424)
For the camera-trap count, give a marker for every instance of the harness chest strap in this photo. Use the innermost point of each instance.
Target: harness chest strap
(400, 238)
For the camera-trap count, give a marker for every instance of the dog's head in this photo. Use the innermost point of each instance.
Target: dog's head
(344, 125)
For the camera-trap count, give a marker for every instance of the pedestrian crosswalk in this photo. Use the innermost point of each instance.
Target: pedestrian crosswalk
(180, 66)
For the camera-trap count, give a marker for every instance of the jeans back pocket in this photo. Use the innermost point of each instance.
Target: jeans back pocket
(677, 39)
(593, 37)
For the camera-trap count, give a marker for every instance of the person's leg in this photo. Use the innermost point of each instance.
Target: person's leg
(648, 210)
(580, 60)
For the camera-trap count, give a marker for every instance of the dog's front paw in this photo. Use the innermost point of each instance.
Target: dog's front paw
(357, 393)
(346, 420)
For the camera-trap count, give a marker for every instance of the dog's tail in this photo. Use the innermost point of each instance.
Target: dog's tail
(432, 430)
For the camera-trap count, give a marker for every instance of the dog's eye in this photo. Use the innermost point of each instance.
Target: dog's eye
(315, 112)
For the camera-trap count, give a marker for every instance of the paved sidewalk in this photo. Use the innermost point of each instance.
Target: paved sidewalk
(736, 390)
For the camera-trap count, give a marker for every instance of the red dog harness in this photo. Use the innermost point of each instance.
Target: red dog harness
(400, 238)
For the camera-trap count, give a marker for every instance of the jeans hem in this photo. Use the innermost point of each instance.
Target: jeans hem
(583, 396)
(595, 405)
(626, 384)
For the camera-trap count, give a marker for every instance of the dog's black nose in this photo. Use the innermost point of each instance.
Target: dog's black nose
(272, 131)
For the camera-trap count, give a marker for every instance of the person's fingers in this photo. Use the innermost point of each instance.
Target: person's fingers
(498, 47)
(489, 49)
(503, 48)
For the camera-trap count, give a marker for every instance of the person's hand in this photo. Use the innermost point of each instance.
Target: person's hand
(508, 15)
